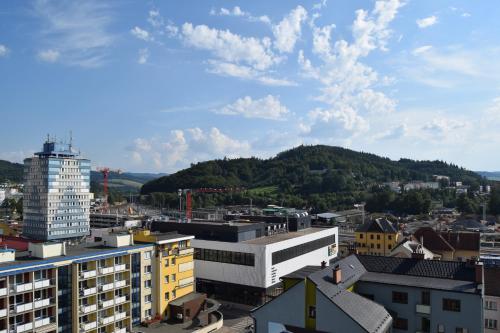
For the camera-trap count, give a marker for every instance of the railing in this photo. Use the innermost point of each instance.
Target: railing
(42, 283)
(121, 283)
(88, 326)
(22, 287)
(107, 320)
(185, 252)
(106, 270)
(88, 308)
(3, 313)
(87, 274)
(119, 268)
(21, 327)
(22, 307)
(88, 291)
(3, 291)
(121, 315)
(105, 304)
(42, 302)
(186, 282)
(120, 330)
(425, 309)
(120, 300)
(42, 322)
(106, 287)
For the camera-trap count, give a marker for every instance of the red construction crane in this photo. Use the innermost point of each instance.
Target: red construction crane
(105, 174)
(188, 192)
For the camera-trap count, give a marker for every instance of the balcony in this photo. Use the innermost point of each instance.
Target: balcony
(106, 320)
(87, 274)
(88, 308)
(120, 300)
(88, 326)
(3, 331)
(3, 292)
(42, 302)
(22, 287)
(21, 307)
(42, 283)
(106, 287)
(106, 304)
(119, 268)
(3, 313)
(423, 309)
(106, 270)
(120, 330)
(88, 291)
(21, 327)
(186, 282)
(120, 315)
(121, 283)
(185, 252)
(42, 322)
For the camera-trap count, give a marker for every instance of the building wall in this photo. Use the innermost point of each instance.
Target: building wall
(464, 255)
(376, 243)
(492, 312)
(469, 317)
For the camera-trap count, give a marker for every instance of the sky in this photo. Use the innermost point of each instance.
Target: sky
(153, 86)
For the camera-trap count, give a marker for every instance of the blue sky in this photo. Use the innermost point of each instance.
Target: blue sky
(156, 85)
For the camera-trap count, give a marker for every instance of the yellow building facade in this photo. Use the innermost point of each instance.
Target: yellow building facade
(376, 237)
(172, 270)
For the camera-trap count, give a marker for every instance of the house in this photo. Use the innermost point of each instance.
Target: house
(460, 246)
(376, 237)
(409, 248)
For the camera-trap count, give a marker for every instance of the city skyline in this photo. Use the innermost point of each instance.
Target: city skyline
(156, 86)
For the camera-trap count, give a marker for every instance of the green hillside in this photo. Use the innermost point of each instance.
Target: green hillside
(11, 171)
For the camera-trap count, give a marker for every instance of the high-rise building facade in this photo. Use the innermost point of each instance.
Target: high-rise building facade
(56, 201)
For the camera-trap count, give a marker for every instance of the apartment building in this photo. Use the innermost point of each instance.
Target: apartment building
(491, 299)
(92, 288)
(376, 237)
(56, 198)
(242, 262)
(378, 294)
(171, 270)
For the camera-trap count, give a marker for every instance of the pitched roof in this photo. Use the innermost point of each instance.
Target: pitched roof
(302, 273)
(432, 240)
(463, 240)
(491, 281)
(378, 225)
(453, 270)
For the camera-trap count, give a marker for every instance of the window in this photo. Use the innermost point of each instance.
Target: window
(400, 324)
(147, 255)
(173, 293)
(361, 236)
(228, 257)
(451, 305)
(378, 246)
(461, 330)
(441, 328)
(147, 299)
(147, 269)
(378, 237)
(490, 324)
(167, 296)
(173, 277)
(166, 279)
(147, 313)
(426, 297)
(389, 237)
(166, 262)
(147, 284)
(490, 305)
(389, 246)
(312, 312)
(173, 261)
(371, 236)
(372, 246)
(399, 297)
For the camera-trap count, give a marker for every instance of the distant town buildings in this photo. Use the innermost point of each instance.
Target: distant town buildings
(57, 194)
(419, 185)
(376, 237)
(459, 246)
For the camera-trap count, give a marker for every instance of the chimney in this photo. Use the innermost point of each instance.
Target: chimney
(337, 274)
(479, 272)
(323, 264)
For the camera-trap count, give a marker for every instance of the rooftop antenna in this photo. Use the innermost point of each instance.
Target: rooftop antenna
(70, 139)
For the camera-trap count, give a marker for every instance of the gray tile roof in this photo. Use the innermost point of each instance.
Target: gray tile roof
(378, 225)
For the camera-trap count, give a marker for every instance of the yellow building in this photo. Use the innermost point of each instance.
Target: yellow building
(172, 269)
(376, 237)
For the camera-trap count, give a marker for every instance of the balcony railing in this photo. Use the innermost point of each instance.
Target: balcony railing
(88, 326)
(18, 308)
(3, 291)
(106, 304)
(107, 320)
(106, 270)
(42, 322)
(106, 287)
(121, 267)
(424, 309)
(120, 300)
(42, 302)
(22, 287)
(185, 252)
(120, 330)
(121, 283)
(21, 327)
(3, 313)
(120, 315)
(88, 291)
(88, 308)
(87, 274)
(42, 283)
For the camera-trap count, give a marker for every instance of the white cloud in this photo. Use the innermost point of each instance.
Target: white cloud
(143, 56)
(348, 85)
(288, 31)
(183, 147)
(3, 50)
(155, 19)
(465, 15)
(427, 22)
(140, 33)
(446, 129)
(394, 133)
(320, 5)
(48, 55)
(421, 49)
(78, 31)
(268, 107)
(238, 12)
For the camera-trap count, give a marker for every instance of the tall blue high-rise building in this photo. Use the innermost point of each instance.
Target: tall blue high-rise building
(57, 196)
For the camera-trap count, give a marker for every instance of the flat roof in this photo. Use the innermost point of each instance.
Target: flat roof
(284, 236)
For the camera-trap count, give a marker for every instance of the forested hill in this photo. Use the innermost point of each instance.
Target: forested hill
(11, 171)
(309, 169)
